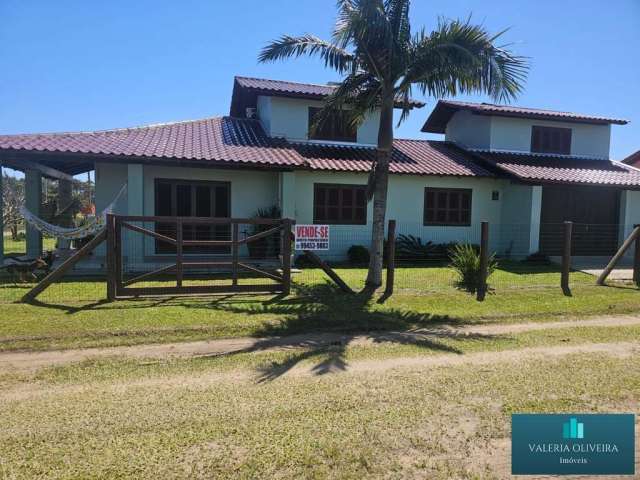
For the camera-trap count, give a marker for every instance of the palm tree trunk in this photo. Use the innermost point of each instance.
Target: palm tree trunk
(380, 185)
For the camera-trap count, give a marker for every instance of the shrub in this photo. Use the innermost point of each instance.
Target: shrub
(303, 261)
(409, 247)
(465, 260)
(358, 255)
(538, 257)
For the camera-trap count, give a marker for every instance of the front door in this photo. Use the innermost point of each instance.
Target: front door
(594, 211)
(185, 198)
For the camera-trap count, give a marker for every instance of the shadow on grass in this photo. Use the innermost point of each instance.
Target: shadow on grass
(320, 322)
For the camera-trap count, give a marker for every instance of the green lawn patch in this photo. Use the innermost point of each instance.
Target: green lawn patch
(157, 420)
(75, 314)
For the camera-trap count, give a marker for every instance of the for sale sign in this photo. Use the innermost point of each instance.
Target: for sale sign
(312, 237)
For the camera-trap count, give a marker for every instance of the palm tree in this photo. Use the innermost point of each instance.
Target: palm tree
(381, 62)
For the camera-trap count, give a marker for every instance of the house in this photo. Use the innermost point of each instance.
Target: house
(633, 159)
(523, 170)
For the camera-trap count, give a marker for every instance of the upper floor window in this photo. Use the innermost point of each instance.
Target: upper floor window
(336, 128)
(339, 204)
(551, 140)
(447, 206)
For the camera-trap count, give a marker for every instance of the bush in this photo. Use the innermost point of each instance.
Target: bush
(358, 255)
(303, 261)
(409, 247)
(465, 260)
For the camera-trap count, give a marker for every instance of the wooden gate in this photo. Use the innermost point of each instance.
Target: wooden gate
(168, 235)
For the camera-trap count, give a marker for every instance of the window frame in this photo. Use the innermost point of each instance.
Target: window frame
(537, 140)
(436, 208)
(340, 206)
(162, 248)
(332, 137)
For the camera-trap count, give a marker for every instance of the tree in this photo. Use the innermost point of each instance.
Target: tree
(12, 199)
(381, 62)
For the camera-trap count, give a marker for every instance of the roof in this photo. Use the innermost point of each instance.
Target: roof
(237, 142)
(214, 140)
(633, 159)
(566, 170)
(417, 157)
(246, 90)
(445, 109)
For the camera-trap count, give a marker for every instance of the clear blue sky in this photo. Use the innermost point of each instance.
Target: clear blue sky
(88, 65)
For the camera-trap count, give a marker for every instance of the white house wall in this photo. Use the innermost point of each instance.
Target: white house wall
(514, 134)
(469, 130)
(405, 205)
(289, 118)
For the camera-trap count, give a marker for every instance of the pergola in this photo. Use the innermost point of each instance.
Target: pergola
(60, 166)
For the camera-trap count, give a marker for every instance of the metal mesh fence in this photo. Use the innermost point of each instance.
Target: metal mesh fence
(422, 259)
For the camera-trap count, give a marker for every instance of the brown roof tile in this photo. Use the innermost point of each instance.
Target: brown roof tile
(633, 159)
(242, 141)
(444, 110)
(417, 157)
(567, 170)
(222, 139)
(245, 90)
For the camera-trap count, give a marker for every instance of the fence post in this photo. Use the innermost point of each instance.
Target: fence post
(566, 258)
(111, 274)
(484, 260)
(179, 249)
(286, 255)
(391, 258)
(636, 261)
(234, 254)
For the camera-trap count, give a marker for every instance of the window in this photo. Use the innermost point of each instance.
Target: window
(340, 204)
(192, 199)
(336, 128)
(551, 140)
(447, 206)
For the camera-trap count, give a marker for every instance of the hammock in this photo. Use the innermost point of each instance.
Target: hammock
(93, 225)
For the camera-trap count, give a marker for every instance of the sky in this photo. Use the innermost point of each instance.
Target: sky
(78, 65)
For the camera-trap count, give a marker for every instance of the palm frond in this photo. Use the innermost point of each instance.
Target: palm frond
(459, 57)
(349, 98)
(398, 14)
(287, 46)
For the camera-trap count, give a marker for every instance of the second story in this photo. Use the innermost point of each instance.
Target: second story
(287, 109)
(488, 127)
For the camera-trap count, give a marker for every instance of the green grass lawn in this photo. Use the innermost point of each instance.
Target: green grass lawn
(19, 247)
(347, 410)
(219, 418)
(74, 314)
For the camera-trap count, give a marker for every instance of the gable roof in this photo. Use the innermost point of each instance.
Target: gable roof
(536, 168)
(633, 159)
(240, 142)
(246, 90)
(445, 109)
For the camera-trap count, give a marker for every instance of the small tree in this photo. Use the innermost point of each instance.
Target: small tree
(382, 61)
(12, 199)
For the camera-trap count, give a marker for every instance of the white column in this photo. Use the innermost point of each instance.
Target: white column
(536, 210)
(629, 213)
(135, 206)
(288, 194)
(33, 200)
(65, 196)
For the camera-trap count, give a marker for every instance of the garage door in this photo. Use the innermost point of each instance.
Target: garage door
(594, 211)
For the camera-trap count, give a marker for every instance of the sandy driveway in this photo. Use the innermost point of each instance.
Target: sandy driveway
(11, 361)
